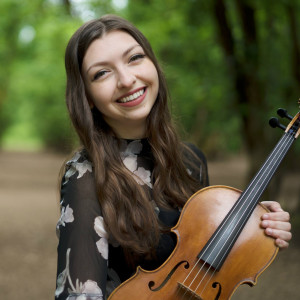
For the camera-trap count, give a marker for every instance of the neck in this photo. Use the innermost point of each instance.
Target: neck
(131, 132)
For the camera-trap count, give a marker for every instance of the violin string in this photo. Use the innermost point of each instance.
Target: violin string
(227, 239)
(231, 221)
(249, 212)
(287, 137)
(272, 170)
(225, 243)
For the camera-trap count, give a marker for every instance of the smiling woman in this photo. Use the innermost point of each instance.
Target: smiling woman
(123, 191)
(121, 82)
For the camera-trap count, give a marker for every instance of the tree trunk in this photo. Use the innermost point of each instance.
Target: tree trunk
(244, 71)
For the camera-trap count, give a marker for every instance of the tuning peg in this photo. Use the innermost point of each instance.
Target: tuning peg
(274, 122)
(284, 114)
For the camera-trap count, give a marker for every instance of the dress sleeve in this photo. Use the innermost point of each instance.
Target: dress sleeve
(83, 247)
(196, 164)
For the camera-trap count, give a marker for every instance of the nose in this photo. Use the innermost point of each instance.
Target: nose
(126, 78)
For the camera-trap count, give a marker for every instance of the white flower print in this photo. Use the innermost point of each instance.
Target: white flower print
(129, 154)
(88, 290)
(62, 277)
(99, 227)
(65, 217)
(134, 147)
(61, 280)
(74, 158)
(83, 168)
(75, 166)
(144, 176)
(102, 244)
(130, 162)
(129, 157)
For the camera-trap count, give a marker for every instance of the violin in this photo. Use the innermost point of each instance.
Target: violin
(220, 244)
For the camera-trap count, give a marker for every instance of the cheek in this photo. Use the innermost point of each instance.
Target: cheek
(152, 76)
(155, 82)
(149, 71)
(100, 95)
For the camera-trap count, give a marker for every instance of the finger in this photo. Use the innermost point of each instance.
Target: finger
(281, 244)
(283, 216)
(272, 206)
(279, 234)
(284, 226)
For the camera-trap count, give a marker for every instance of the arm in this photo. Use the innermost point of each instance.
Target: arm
(83, 247)
(277, 224)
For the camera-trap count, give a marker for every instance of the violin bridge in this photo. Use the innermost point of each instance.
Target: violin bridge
(190, 294)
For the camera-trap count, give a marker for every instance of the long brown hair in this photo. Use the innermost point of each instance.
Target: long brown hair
(129, 216)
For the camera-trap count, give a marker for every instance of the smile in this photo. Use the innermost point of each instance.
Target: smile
(132, 97)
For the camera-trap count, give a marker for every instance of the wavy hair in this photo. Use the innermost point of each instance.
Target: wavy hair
(126, 208)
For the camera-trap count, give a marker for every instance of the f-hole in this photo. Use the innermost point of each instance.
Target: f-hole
(151, 284)
(215, 285)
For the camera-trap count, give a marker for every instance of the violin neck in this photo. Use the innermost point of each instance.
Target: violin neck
(259, 183)
(221, 242)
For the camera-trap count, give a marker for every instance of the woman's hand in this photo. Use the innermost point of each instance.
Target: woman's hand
(277, 224)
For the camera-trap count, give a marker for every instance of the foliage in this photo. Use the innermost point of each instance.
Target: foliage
(185, 36)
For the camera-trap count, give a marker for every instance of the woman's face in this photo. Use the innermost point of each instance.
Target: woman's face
(121, 81)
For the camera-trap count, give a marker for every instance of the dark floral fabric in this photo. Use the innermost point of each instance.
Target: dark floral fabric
(90, 266)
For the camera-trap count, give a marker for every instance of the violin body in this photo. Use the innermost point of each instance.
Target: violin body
(183, 276)
(220, 244)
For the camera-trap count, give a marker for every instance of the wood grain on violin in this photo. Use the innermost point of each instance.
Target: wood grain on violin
(220, 244)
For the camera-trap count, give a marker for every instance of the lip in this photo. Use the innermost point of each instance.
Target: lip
(136, 101)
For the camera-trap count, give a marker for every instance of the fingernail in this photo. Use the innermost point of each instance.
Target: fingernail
(269, 231)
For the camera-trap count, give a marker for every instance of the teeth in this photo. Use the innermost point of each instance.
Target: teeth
(132, 97)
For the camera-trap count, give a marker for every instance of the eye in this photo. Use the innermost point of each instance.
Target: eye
(136, 57)
(100, 74)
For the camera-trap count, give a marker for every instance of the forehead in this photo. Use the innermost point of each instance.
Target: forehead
(110, 46)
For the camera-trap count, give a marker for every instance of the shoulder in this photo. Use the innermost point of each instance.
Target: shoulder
(78, 183)
(77, 166)
(192, 152)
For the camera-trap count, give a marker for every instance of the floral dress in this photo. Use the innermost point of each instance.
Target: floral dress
(90, 266)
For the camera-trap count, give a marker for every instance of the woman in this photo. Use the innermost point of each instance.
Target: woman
(124, 190)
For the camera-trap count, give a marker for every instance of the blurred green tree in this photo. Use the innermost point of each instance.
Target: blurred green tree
(229, 65)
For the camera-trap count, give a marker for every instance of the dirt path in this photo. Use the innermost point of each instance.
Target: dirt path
(29, 212)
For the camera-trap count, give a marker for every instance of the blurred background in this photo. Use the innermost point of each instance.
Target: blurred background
(229, 66)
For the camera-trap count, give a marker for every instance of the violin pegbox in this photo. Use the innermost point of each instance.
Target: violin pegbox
(294, 126)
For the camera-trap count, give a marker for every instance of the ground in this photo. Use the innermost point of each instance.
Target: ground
(29, 212)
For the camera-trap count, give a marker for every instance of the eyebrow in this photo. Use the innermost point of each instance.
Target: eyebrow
(105, 63)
